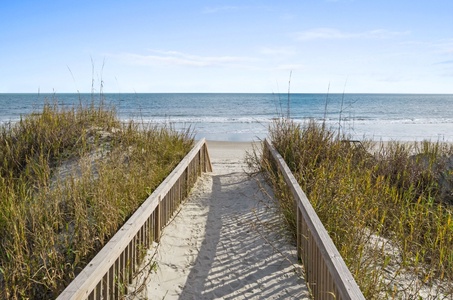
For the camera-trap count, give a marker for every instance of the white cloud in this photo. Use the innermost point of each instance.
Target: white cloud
(333, 33)
(159, 57)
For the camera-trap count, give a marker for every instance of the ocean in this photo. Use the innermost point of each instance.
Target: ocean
(245, 117)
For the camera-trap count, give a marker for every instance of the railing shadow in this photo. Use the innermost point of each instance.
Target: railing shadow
(235, 259)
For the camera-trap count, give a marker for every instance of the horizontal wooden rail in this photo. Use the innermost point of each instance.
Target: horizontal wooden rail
(327, 275)
(109, 272)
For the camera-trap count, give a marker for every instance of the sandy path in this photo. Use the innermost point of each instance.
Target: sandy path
(217, 246)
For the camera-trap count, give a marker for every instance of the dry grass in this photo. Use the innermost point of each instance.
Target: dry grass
(389, 214)
(69, 179)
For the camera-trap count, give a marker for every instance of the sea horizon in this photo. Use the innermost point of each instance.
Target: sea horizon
(247, 116)
(246, 93)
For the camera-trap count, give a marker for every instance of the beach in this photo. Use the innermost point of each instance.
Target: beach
(227, 241)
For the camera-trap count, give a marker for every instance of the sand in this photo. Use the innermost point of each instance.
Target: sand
(227, 241)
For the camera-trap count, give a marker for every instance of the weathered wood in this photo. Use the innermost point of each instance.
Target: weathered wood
(109, 265)
(207, 161)
(322, 261)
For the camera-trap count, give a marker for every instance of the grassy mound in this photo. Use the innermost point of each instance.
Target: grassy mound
(388, 210)
(69, 179)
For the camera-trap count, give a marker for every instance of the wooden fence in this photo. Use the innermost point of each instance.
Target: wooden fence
(327, 275)
(112, 269)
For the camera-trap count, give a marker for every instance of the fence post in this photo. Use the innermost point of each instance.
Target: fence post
(157, 221)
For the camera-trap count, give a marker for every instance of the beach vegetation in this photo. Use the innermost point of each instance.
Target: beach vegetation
(69, 178)
(387, 206)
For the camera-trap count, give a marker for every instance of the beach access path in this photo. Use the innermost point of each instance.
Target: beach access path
(227, 241)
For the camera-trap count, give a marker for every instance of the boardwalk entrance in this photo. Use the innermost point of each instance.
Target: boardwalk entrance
(227, 242)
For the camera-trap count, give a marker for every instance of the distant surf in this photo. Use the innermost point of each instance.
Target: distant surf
(245, 117)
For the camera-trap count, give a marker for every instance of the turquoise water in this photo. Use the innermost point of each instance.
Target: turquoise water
(243, 117)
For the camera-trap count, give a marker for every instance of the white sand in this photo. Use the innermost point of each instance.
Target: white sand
(227, 242)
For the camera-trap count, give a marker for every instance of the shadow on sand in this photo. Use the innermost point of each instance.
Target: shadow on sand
(235, 261)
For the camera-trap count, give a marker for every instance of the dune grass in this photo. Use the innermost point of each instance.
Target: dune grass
(388, 213)
(69, 178)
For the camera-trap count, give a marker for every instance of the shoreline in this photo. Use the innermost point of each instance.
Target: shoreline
(230, 151)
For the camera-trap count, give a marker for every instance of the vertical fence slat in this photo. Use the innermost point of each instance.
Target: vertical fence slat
(299, 233)
(99, 291)
(129, 269)
(105, 285)
(122, 273)
(157, 223)
(116, 274)
(111, 282)
(149, 236)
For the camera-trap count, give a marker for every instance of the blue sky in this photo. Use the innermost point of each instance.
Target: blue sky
(356, 46)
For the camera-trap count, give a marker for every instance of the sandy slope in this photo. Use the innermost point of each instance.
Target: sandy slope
(218, 247)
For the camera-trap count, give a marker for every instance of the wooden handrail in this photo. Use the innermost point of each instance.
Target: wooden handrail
(108, 273)
(327, 275)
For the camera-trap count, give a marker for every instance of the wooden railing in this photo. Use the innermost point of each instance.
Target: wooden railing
(327, 275)
(112, 269)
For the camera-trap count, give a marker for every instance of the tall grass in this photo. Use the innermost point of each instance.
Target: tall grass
(388, 213)
(69, 178)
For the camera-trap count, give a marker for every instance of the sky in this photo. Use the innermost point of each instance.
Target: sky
(304, 46)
